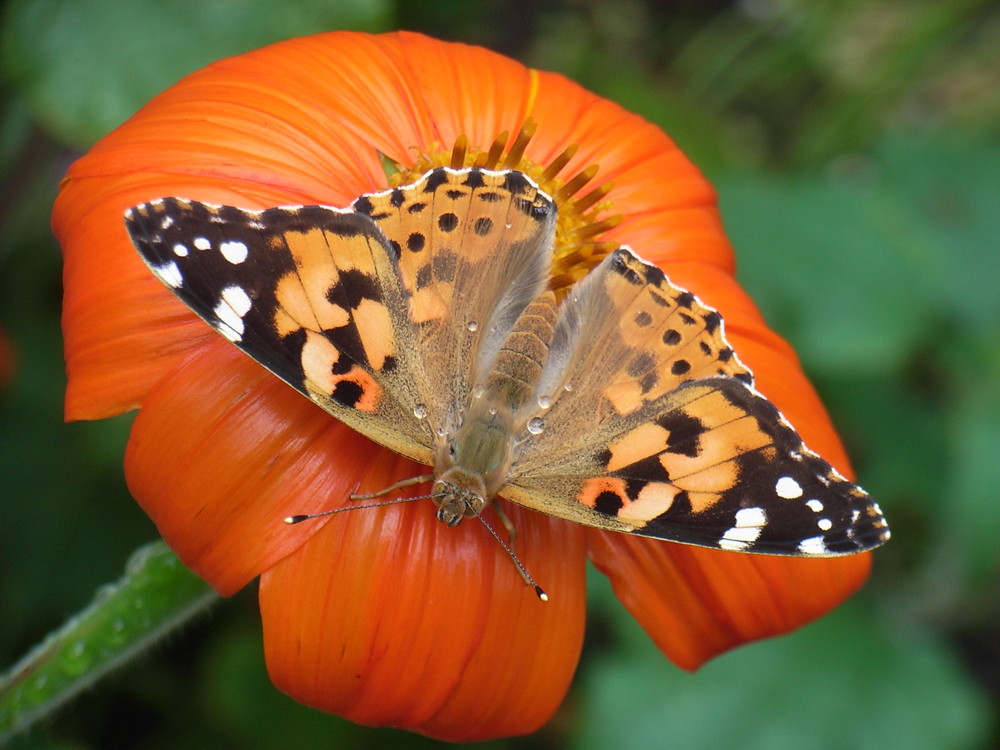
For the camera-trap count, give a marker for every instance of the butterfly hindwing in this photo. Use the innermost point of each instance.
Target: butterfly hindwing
(688, 452)
(474, 249)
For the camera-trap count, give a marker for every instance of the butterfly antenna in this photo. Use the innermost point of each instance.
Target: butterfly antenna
(397, 501)
(539, 592)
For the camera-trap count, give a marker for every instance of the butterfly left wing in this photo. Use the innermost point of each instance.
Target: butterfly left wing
(311, 293)
(654, 428)
(378, 312)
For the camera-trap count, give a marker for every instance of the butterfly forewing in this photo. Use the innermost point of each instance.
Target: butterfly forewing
(306, 292)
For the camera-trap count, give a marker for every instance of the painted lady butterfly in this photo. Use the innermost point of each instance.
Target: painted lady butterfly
(420, 317)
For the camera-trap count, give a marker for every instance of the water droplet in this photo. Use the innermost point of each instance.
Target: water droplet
(568, 387)
(535, 425)
(420, 411)
(472, 325)
(493, 411)
(77, 659)
(544, 402)
(440, 431)
(478, 391)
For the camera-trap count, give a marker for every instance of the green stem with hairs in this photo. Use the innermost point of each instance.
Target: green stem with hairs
(156, 595)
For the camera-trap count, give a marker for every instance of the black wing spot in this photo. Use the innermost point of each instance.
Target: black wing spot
(490, 196)
(397, 197)
(352, 287)
(671, 337)
(684, 431)
(454, 194)
(448, 222)
(363, 205)
(347, 393)
(435, 179)
(416, 208)
(712, 321)
(415, 242)
(483, 226)
(649, 469)
(516, 182)
(685, 299)
(608, 503)
(643, 318)
(622, 268)
(680, 367)
(654, 274)
(474, 179)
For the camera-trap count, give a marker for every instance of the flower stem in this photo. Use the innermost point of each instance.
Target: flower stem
(156, 595)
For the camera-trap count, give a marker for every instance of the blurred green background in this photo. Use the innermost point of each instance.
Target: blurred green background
(856, 149)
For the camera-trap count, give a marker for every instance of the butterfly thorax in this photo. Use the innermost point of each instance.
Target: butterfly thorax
(473, 461)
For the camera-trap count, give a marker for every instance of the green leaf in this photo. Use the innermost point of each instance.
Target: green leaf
(156, 595)
(847, 681)
(825, 269)
(87, 65)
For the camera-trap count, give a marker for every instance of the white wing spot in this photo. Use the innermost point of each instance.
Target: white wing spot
(749, 522)
(237, 299)
(814, 545)
(816, 506)
(180, 250)
(169, 274)
(787, 488)
(167, 221)
(202, 243)
(230, 311)
(825, 524)
(234, 252)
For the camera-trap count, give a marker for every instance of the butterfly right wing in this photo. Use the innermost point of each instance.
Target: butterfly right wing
(652, 427)
(311, 293)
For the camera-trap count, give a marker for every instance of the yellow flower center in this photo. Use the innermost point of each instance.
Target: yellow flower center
(578, 247)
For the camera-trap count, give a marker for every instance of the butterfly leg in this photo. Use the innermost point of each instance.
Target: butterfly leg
(507, 523)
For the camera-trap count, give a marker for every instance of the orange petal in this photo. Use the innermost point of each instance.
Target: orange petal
(387, 617)
(696, 603)
(223, 451)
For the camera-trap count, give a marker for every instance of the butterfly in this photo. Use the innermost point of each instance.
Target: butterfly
(420, 317)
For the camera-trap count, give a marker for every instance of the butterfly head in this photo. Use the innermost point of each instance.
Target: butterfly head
(459, 494)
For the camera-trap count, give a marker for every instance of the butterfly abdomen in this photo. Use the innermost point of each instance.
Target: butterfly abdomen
(519, 362)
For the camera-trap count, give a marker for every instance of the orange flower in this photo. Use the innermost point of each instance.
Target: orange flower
(386, 616)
